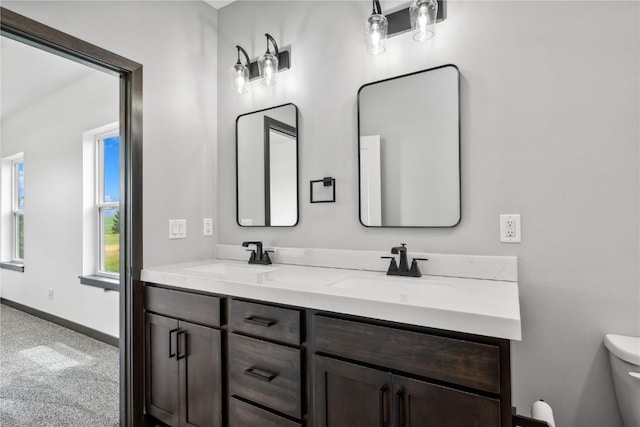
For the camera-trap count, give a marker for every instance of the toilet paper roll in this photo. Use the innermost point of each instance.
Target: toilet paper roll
(540, 410)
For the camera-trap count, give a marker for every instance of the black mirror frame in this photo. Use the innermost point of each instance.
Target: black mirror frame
(289, 130)
(459, 152)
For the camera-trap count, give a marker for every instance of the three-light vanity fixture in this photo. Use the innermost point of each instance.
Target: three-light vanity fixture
(420, 18)
(265, 68)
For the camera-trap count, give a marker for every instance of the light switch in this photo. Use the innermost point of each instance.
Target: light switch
(177, 229)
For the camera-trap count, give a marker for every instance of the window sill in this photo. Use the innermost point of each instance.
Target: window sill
(12, 265)
(100, 282)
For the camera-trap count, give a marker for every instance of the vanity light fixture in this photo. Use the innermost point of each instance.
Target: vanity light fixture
(266, 67)
(420, 18)
(375, 30)
(268, 63)
(240, 73)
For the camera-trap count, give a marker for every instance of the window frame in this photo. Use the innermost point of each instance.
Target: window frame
(100, 204)
(16, 212)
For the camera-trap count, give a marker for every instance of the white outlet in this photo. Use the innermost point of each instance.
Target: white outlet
(510, 230)
(50, 293)
(207, 226)
(177, 229)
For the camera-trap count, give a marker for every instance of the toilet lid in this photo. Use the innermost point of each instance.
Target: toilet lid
(626, 348)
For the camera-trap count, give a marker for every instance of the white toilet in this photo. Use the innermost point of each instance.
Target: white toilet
(624, 355)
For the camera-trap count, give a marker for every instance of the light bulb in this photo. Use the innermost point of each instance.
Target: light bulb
(375, 34)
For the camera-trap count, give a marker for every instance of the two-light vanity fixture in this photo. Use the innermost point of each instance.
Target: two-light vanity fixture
(265, 68)
(420, 17)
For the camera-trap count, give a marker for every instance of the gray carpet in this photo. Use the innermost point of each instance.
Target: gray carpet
(51, 376)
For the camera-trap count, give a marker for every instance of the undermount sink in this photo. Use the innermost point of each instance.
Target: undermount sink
(233, 269)
(409, 287)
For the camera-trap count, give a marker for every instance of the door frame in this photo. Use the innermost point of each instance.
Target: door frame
(33, 33)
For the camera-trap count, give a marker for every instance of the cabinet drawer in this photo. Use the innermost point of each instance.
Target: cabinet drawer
(455, 361)
(279, 324)
(265, 373)
(195, 308)
(242, 414)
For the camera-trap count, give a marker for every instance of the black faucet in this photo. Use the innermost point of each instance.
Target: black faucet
(258, 256)
(403, 269)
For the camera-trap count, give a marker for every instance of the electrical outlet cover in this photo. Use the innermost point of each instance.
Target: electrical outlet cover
(510, 230)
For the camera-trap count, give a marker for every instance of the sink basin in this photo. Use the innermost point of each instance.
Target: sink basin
(234, 269)
(408, 287)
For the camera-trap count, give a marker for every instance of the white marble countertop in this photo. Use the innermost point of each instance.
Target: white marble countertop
(476, 306)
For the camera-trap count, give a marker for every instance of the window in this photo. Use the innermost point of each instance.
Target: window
(17, 209)
(108, 203)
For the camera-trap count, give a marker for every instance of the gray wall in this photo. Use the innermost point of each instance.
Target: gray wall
(549, 104)
(176, 42)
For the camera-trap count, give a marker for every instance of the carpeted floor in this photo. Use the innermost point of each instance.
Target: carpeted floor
(51, 376)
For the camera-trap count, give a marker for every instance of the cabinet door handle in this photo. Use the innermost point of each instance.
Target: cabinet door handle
(260, 321)
(172, 337)
(383, 415)
(181, 344)
(260, 374)
(399, 408)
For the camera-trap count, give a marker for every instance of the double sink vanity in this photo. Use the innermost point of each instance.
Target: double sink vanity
(234, 344)
(324, 338)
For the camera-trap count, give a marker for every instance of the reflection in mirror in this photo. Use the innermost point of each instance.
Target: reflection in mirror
(267, 167)
(409, 150)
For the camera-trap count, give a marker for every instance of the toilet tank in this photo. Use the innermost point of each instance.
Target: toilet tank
(624, 355)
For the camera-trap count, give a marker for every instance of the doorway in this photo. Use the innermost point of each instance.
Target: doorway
(25, 30)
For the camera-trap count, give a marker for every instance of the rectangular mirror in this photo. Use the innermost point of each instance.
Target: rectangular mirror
(267, 167)
(409, 150)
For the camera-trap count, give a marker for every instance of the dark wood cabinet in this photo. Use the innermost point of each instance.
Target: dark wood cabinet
(265, 364)
(161, 369)
(243, 414)
(349, 394)
(199, 376)
(372, 375)
(183, 372)
(419, 403)
(213, 361)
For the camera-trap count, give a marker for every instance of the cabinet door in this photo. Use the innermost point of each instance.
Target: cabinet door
(161, 369)
(350, 395)
(418, 403)
(199, 353)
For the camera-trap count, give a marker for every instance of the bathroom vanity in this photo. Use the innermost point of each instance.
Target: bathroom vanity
(230, 344)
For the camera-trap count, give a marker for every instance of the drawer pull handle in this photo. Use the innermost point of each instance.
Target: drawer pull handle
(399, 409)
(260, 321)
(260, 374)
(383, 415)
(635, 374)
(181, 344)
(172, 352)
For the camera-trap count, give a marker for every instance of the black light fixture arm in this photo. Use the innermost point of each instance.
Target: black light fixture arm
(246, 57)
(275, 46)
(377, 10)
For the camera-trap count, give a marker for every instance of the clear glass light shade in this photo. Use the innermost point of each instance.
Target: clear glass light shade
(268, 66)
(375, 34)
(240, 78)
(423, 18)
